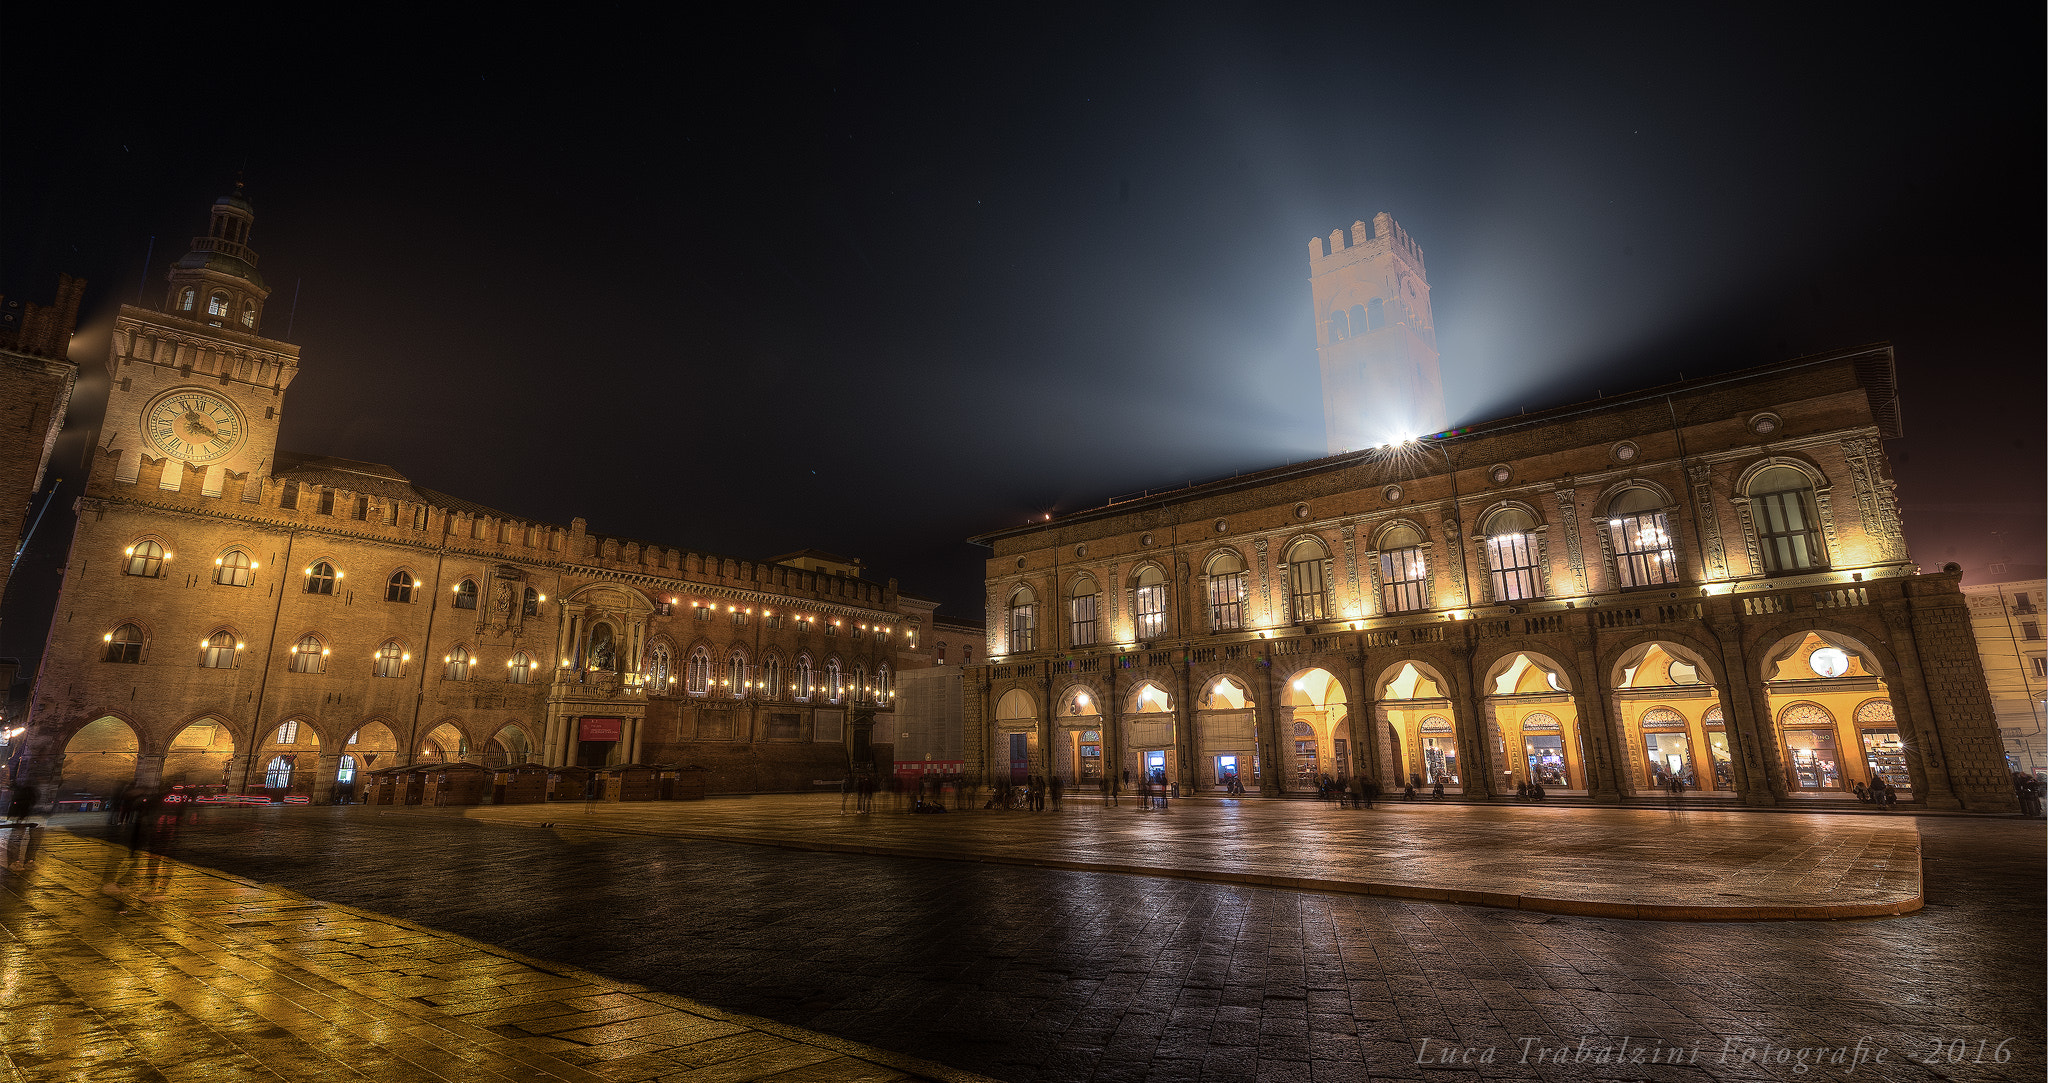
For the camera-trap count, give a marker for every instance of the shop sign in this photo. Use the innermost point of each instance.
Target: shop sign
(599, 729)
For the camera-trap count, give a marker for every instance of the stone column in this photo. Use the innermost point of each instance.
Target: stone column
(1359, 711)
(1184, 727)
(1914, 711)
(324, 765)
(1266, 724)
(1746, 714)
(149, 770)
(1597, 725)
(1469, 709)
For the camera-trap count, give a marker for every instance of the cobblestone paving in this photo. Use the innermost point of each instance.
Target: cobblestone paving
(1609, 862)
(190, 974)
(1038, 974)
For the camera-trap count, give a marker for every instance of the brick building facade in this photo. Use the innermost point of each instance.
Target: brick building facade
(235, 615)
(1705, 581)
(36, 378)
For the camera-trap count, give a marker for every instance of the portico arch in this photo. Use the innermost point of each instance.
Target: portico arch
(510, 745)
(1226, 733)
(1833, 720)
(1314, 721)
(445, 743)
(1668, 706)
(287, 757)
(201, 755)
(1532, 711)
(1414, 702)
(1077, 735)
(1016, 734)
(1149, 715)
(99, 759)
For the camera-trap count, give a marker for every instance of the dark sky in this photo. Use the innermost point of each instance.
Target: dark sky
(874, 282)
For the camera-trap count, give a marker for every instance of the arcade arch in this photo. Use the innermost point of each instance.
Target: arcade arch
(99, 759)
(200, 755)
(1832, 716)
(1016, 732)
(287, 758)
(1226, 735)
(1315, 724)
(1078, 744)
(1415, 700)
(1148, 744)
(1533, 714)
(443, 744)
(508, 747)
(1668, 703)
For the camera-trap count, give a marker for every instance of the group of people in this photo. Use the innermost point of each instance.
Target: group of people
(1530, 791)
(1879, 793)
(2029, 789)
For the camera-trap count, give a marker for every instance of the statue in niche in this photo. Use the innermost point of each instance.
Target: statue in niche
(501, 602)
(603, 649)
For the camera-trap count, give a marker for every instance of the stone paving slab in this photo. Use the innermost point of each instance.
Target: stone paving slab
(192, 974)
(1669, 865)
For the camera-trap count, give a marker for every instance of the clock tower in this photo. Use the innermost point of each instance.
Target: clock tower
(196, 384)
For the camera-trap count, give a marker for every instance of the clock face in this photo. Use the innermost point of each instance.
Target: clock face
(196, 426)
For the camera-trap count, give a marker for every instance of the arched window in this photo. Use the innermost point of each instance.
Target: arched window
(1081, 612)
(458, 664)
(400, 586)
(1340, 325)
(309, 655)
(1643, 554)
(217, 304)
(1226, 592)
(124, 644)
(529, 603)
(1149, 604)
(320, 578)
(1511, 555)
(1361, 322)
(218, 652)
(391, 659)
(771, 678)
(519, 670)
(249, 314)
(803, 679)
(1404, 571)
(288, 733)
(697, 675)
(278, 776)
(1023, 621)
(835, 683)
(146, 559)
(736, 675)
(1375, 314)
(187, 299)
(1787, 530)
(465, 594)
(883, 688)
(659, 672)
(1305, 581)
(233, 568)
(861, 689)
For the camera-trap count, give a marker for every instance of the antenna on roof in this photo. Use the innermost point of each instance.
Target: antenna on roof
(146, 258)
(294, 317)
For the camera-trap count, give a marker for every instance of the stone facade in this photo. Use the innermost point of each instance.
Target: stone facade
(2006, 618)
(1375, 335)
(1703, 581)
(36, 377)
(236, 616)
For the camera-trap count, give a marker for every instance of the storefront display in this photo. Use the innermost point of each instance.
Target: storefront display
(1439, 752)
(1091, 754)
(1724, 764)
(1546, 759)
(1886, 756)
(1810, 757)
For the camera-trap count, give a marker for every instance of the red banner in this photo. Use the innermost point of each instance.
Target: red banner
(599, 729)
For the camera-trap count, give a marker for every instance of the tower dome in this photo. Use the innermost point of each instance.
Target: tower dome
(216, 283)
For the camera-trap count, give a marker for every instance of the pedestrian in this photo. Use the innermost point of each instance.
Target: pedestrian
(1891, 796)
(845, 792)
(21, 840)
(1059, 789)
(1437, 791)
(1862, 794)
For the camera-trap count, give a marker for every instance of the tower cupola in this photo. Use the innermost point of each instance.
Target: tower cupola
(216, 282)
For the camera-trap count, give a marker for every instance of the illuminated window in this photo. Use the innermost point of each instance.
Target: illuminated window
(1643, 553)
(400, 586)
(1150, 603)
(529, 603)
(1404, 571)
(146, 559)
(520, 670)
(739, 618)
(882, 684)
(248, 314)
(320, 580)
(232, 569)
(659, 671)
(309, 655)
(697, 675)
(219, 652)
(736, 674)
(458, 664)
(346, 776)
(861, 689)
(278, 775)
(217, 305)
(390, 660)
(1023, 621)
(124, 644)
(288, 733)
(835, 682)
(1226, 592)
(187, 299)
(1511, 555)
(465, 594)
(1305, 588)
(1081, 613)
(771, 678)
(803, 678)
(1782, 506)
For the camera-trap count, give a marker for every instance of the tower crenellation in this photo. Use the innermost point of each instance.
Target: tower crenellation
(1375, 335)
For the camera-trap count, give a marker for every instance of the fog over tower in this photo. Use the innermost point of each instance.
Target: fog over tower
(1375, 338)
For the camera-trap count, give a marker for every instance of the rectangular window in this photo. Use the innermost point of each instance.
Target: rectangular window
(1404, 580)
(1226, 602)
(1082, 620)
(362, 513)
(2040, 664)
(391, 513)
(942, 653)
(702, 612)
(739, 618)
(774, 621)
(1643, 556)
(1787, 533)
(1305, 590)
(290, 499)
(2030, 629)
(1151, 611)
(327, 502)
(1023, 628)
(2022, 603)
(1513, 560)
(419, 517)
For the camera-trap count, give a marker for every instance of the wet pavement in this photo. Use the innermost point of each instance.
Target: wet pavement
(1033, 973)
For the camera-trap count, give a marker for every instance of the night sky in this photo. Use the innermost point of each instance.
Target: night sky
(875, 282)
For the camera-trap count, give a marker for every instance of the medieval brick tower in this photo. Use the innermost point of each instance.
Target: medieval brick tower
(1375, 337)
